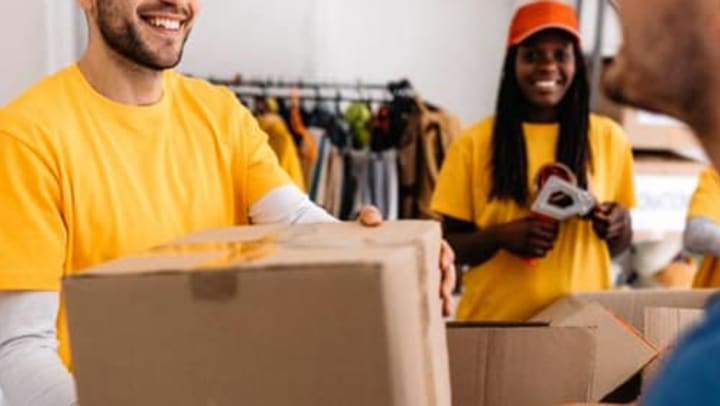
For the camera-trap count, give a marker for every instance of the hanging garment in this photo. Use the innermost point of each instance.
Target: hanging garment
(359, 118)
(281, 142)
(334, 184)
(361, 176)
(423, 145)
(389, 159)
(308, 148)
(320, 162)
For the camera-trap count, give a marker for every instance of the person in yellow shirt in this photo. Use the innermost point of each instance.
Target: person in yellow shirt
(112, 155)
(484, 188)
(702, 228)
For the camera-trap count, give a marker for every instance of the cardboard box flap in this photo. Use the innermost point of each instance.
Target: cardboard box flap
(630, 304)
(521, 365)
(621, 351)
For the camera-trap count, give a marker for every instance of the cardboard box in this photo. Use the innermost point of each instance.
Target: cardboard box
(621, 350)
(511, 365)
(648, 131)
(662, 315)
(332, 314)
(534, 365)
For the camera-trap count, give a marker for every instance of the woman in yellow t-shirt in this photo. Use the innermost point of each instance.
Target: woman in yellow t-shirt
(483, 191)
(702, 230)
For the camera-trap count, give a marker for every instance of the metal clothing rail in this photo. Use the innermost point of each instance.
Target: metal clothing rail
(318, 97)
(238, 81)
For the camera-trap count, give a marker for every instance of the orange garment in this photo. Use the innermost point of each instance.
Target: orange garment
(282, 143)
(308, 150)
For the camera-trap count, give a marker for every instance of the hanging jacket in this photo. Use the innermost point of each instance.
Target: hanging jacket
(422, 147)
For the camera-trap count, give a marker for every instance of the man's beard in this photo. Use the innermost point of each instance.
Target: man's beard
(127, 42)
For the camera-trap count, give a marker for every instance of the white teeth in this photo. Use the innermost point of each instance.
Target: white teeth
(165, 23)
(545, 84)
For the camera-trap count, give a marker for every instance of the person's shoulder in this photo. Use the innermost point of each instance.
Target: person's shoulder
(604, 124)
(44, 96)
(478, 134)
(608, 130)
(40, 107)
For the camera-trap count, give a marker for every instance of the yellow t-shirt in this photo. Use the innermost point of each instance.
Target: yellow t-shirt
(84, 179)
(505, 287)
(704, 203)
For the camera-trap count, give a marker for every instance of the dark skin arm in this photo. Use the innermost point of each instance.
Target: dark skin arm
(526, 237)
(612, 224)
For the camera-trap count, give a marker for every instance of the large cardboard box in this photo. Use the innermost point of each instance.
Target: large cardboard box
(522, 364)
(332, 314)
(615, 336)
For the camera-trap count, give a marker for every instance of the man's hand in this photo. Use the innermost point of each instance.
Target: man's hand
(370, 216)
(448, 276)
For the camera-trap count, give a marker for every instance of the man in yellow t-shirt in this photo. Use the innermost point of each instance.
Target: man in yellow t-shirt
(702, 229)
(112, 155)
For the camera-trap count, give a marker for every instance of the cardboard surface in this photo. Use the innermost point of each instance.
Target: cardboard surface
(308, 315)
(630, 305)
(621, 351)
(520, 365)
(663, 327)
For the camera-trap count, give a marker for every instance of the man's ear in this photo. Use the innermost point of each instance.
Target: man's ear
(87, 6)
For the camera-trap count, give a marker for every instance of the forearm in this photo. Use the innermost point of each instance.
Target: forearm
(473, 248)
(289, 205)
(31, 372)
(702, 236)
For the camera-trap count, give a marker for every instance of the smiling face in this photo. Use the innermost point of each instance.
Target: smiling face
(545, 68)
(149, 33)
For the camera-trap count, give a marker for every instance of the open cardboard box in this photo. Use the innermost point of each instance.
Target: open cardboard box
(331, 314)
(533, 364)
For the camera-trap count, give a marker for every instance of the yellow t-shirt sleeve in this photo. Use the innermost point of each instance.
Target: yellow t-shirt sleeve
(33, 235)
(622, 154)
(453, 191)
(704, 201)
(263, 172)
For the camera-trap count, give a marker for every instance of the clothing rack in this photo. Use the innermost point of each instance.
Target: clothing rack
(338, 97)
(282, 89)
(238, 81)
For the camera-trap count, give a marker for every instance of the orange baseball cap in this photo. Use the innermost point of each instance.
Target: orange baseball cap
(536, 16)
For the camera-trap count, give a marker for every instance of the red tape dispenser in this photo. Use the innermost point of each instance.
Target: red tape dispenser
(559, 198)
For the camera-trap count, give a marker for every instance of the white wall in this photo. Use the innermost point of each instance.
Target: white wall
(450, 49)
(22, 45)
(36, 38)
